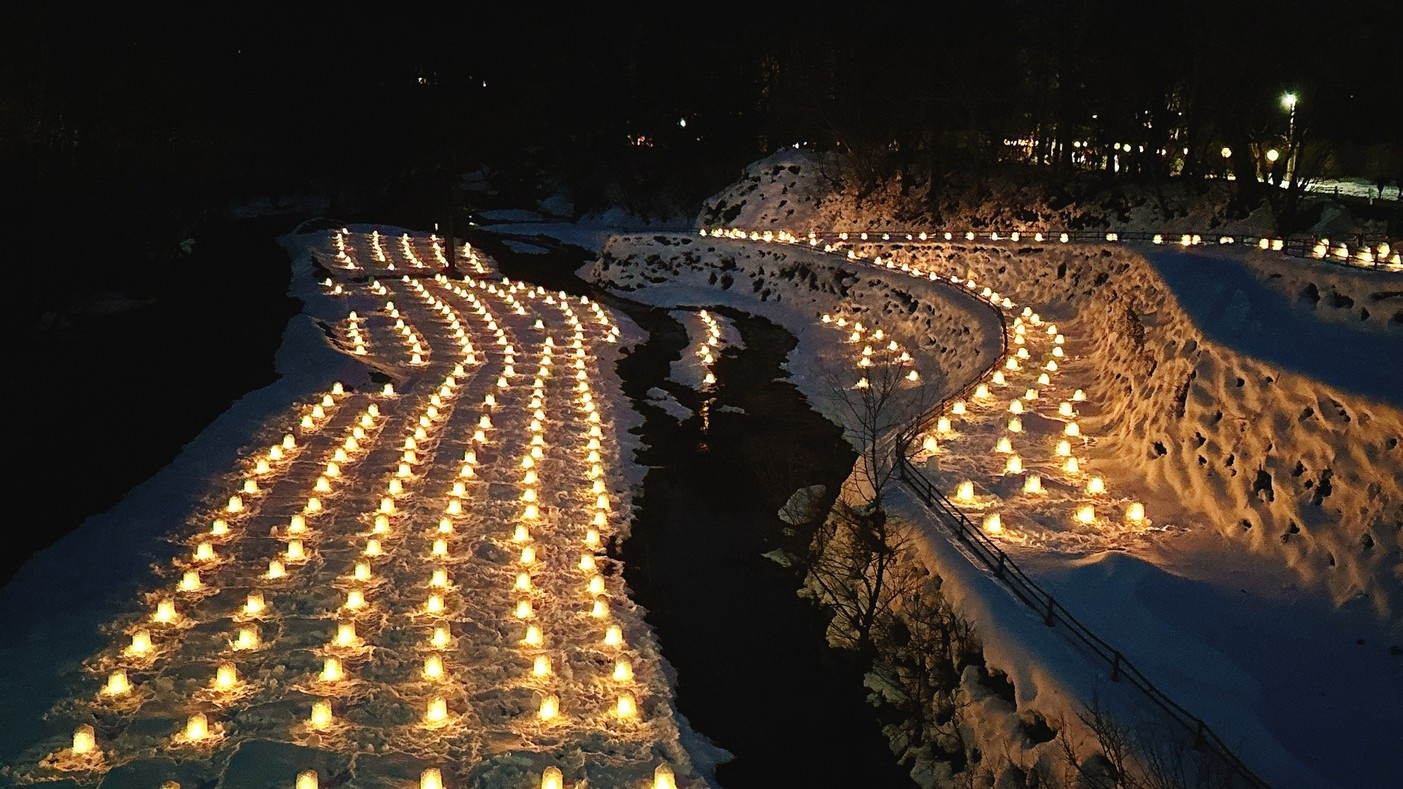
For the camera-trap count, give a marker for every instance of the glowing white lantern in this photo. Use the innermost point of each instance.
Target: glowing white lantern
(993, 524)
(958, 408)
(550, 707)
(982, 391)
(1071, 466)
(1015, 425)
(965, 491)
(247, 638)
(434, 604)
(141, 643)
(1004, 445)
(533, 636)
(84, 740)
(165, 612)
(541, 667)
(614, 636)
(439, 638)
(1071, 429)
(1086, 514)
(355, 599)
(627, 706)
(1135, 513)
(523, 609)
(1033, 484)
(307, 779)
(226, 676)
(236, 504)
(372, 547)
(254, 605)
(1014, 465)
(596, 585)
(663, 777)
(928, 444)
(1065, 409)
(295, 551)
(196, 727)
(433, 667)
(1095, 486)
(1015, 407)
(321, 715)
(998, 378)
(332, 671)
(1078, 396)
(117, 684)
(436, 712)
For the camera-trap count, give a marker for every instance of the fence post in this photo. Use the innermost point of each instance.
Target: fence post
(1115, 666)
(1050, 620)
(1198, 733)
(999, 571)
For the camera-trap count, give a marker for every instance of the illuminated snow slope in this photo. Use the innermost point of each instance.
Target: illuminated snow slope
(397, 579)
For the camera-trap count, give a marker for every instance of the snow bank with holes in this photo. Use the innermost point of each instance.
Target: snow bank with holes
(1225, 410)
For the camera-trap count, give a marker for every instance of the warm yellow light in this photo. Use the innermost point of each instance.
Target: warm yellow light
(623, 670)
(958, 408)
(614, 636)
(247, 638)
(307, 779)
(165, 612)
(321, 714)
(1071, 429)
(236, 504)
(663, 778)
(1086, 514)
(1014, 465)
(965, 491)
(942, 425)
(84, 739)
(1003, 445)
(541, 666)
(226, 676)
(440, 637)
(196, 727)
(117, 683)
(1078, 396)
(523, 582)
(431, 778)
(295, 551)
(993, 524)
(596, 585)
(434, 604)
(219, 528)
(437, 711)
(528, 555)
(372, 547)
(998, 378)
(1071, 466)
(1015, 425)
(981, 392)
(533, 636)
(141, 643)
(254, 604)
(1135, 513)
(314, 504)
(1095, 486)
(1033, 484)
(551, 778)
(626, 707)
(550, 707)
(355, 599)
(440, 547)
(523, 609)
(433, 667)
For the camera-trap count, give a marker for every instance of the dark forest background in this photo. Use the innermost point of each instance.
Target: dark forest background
(123, 128)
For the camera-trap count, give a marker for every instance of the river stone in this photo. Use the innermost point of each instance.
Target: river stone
(805, 506)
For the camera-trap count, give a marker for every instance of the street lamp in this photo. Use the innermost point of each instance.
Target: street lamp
(1289, 100)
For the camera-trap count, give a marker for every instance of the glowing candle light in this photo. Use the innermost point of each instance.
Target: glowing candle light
(297, 525)
(436, 712)
(1095, 486)
(626, 707)
(1012, 364)
(1065, 409)
(993, 524)
(540, 667)
(596, 585)
(387, 505)
(289, 442)
(1043, 379)
(247, 638)
(928, 444)
(1078, 396)
(196, 727)
(431, 778)
(599, 610)
(434, 604)
(372, 547)
(433, 667)
(1022, 353)
(958, 408)
(663, 778)
(592, 537)
(1058, 353)
(1086, 514)
(1033, 484)
(236, 504)
(1051, 366)
(1015, 425)
(226, 676)
(84, 739)
(314, 504)
(528, 555)
(965, 491)
(1135, 513)
(623, 670)
(254, 604)
(1014, 465)
(307, 779)
(1030, 395)
(321, 715)
(439, 577)
(295, 551)
(219, 528)
(117, 684)
(322, 485)
(523, 609)
(1072, 429)
(355, 599)
(396, 487)
(332, 671)
(533, 636)
(551, 778)
(981, 391)
(165, 612)
(998, 378)
(389, 390)
(942, 425)
(550, 707)
(455, 507)
(614, 636)
(1004, 445)
(1071, 466)
(141, 643)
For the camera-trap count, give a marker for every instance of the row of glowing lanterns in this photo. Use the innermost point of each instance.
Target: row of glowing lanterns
(198, 728)
(1380, 253)
(892, 350)
(707, 352)
(1085, 513)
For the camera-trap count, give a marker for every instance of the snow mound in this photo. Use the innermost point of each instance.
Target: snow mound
(781, 191)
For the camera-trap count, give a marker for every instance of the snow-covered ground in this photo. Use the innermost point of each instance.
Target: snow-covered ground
(392, 531)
